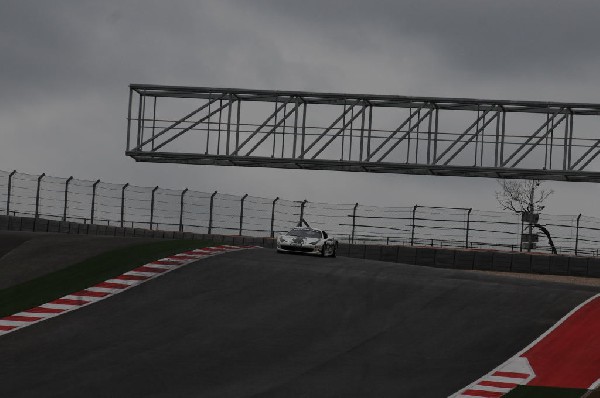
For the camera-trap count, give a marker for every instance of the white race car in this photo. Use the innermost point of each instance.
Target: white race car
(307, 240)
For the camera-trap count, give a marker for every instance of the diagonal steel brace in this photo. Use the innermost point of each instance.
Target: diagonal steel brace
(388, 139)
(531, 148)
(178, 122)
(585, 154)
(414, 127)
(480, 129)
(339, 132)
(234, 153)
(185, 130)
(460, 137)
(279, 123)
(329, 128)
(523, 145)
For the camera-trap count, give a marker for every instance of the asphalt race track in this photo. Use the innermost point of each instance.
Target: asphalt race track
(259, 324)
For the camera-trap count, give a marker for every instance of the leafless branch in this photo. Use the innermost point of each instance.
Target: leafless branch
(521, 196)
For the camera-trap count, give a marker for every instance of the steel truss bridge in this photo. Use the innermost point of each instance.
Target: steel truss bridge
(364, 133)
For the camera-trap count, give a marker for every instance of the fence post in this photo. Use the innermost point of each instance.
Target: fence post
(468, 225)
(152, 207)
(37, 200)
(242, 212)
(577, 234)
(10, 176)
(37, 195)
(412, 234)
(302, 212)
(181, 210)
(210, 220)
(123, 203)
(273, 217)
(93, 200)
(521, 234)
(354, 221)
(66, 198)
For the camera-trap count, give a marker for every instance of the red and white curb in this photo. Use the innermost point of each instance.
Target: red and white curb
(567, 355)
(109, 288)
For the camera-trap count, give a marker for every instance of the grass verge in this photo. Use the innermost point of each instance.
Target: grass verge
(88, 273)
(545, 392)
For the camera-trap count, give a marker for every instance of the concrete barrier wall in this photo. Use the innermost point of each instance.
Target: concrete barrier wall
(29, 224)
(421, 255)
(478, 259)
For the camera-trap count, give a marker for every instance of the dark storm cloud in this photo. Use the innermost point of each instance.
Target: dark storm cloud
(484, 37)
(67, 47)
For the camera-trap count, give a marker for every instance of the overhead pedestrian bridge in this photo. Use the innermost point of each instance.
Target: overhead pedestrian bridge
(364, 133)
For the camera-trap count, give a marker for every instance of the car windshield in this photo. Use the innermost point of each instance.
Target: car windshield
(305, 233)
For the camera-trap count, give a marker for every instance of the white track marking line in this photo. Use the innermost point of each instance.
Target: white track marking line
(165, 266)
(145, 274)
(85, 300)
(123, 282)
(57, 306)
(104, 290)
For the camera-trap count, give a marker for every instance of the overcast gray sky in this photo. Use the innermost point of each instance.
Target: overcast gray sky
(65, 67)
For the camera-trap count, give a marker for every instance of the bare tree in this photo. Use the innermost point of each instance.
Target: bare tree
(522, 196)
(525, 197)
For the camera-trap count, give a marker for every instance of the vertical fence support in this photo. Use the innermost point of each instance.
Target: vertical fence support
(66, 198)
(412, 234)
(302, 212)
(152, 207)
(353, 221)
(521, 234)
(10, 176)
(242, 213)
(468, 226)
(181, 210)
(273, 217)
(577, 234)
(37, 200)
(123, 203)
(93, 200)
(210, 219)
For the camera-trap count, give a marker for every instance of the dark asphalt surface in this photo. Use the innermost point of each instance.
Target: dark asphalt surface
(258, 324)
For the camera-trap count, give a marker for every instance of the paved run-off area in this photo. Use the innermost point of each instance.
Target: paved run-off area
(254, 323)
(563, 362)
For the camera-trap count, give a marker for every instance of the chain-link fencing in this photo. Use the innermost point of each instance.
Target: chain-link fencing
(155, 208)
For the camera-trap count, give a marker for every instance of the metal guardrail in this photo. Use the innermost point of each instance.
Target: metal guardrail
(125, 205)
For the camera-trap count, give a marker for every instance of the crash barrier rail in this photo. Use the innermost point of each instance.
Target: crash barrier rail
(466, 259)
(154, 208)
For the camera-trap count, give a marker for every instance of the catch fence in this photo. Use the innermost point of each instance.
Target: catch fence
(155, 208)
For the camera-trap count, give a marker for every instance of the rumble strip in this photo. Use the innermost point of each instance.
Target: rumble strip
(109, 287)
